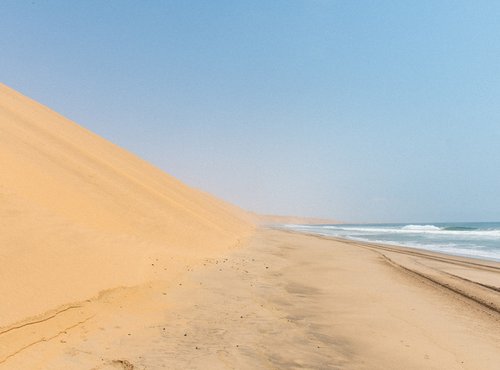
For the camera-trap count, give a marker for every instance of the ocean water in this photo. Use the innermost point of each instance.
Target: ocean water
(475, 239)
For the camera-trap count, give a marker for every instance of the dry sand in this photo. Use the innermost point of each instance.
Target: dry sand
(108, 263)
(293, 301)
(81, 216)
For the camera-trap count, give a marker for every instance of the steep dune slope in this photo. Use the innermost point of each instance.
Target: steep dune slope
(80, 215)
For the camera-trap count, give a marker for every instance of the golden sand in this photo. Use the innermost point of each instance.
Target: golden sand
(80, 216)
(108, 263)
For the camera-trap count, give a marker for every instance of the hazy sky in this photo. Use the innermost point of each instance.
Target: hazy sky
(355, 110)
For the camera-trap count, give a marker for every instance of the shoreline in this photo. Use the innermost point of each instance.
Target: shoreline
(471, 260)
(423, 247)
(420, 250)
(288, 300)
(457, 282)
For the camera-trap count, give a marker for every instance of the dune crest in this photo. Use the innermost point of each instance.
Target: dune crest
(81, 215)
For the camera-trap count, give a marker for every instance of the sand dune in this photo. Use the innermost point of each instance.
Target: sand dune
(80, 215)
(106, 262)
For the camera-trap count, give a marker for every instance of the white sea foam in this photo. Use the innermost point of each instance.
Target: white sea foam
(408, 229)
(421, 228)
(472, 240)
(474, 251)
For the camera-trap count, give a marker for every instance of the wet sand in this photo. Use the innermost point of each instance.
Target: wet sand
(292, 301)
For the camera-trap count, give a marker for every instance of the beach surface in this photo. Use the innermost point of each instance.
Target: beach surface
(286, 300)
(83, 220)
(106, 262)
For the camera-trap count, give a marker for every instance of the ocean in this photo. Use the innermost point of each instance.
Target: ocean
(474, 239)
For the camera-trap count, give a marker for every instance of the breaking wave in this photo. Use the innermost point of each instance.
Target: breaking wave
(480, 240)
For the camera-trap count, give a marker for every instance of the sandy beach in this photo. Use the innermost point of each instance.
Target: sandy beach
(246, 185)
(82, 218)
(107, 262)
(290, 301)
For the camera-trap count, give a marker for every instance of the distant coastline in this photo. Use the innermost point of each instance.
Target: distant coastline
(480, 240)
(295, 220)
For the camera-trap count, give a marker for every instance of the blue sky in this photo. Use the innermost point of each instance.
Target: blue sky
(362, 111)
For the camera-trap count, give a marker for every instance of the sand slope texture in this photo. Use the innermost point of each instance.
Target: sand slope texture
(81, 216)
